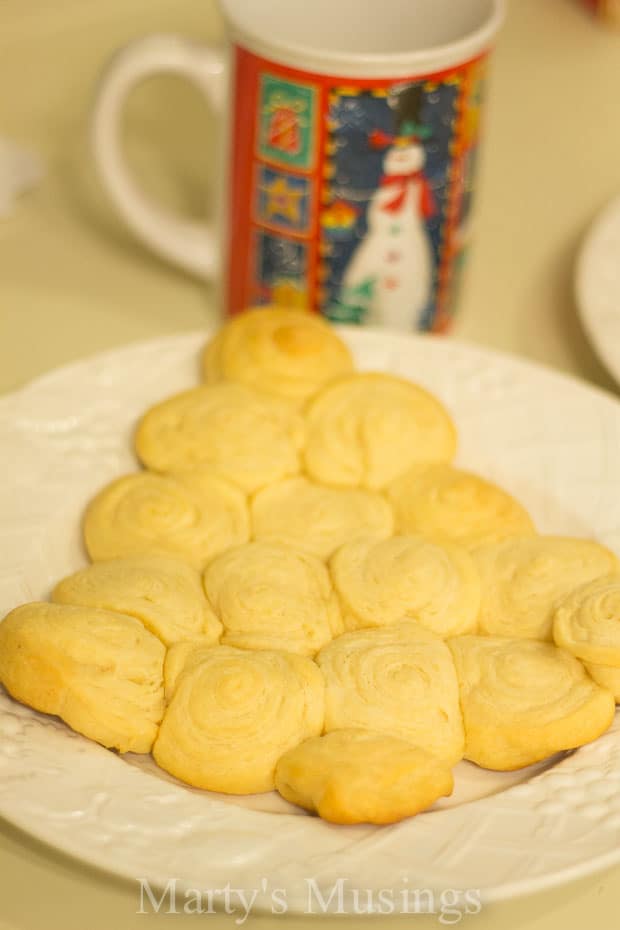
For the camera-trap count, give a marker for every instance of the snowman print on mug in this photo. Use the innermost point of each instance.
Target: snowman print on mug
(394, 261)
(365, 218)
(389, 277)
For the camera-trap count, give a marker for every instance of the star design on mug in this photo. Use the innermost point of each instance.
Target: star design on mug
(282, 200)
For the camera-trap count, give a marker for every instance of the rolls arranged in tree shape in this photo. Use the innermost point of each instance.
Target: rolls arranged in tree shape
(398, 680)
(285, 460)
(445, 502)
(360, 776)
(524, 577)
(101, 672)
(249, 438)
(587, 624)
(166, 595)
(192, 517)
(317, 519)
(233, 714)
(407, 578)
(268, 596)
(367, 428)
(525, 700)
(287, 353)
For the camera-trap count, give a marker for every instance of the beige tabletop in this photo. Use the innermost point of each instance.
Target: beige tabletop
(73, 282)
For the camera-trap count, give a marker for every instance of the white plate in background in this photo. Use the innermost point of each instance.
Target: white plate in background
(598, 286)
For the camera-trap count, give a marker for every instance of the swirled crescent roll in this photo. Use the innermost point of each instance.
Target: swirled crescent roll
(287, 353)
(398, 680)
(191, 517)
(249, 438)
(317, 519)
(524, 577)
(100, 671)
(407, 578)
(165, 595)
(367, 428)
(360, 776)
(445, 502)
(268, 596)
(525, 700)
(587, 624)
(607, 676)
(180, 657)
(233, 713)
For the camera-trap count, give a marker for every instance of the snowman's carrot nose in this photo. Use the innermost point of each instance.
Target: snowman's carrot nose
(383, 140)
(380, 140)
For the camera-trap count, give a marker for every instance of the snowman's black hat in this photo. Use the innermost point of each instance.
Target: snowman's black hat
(406, 102)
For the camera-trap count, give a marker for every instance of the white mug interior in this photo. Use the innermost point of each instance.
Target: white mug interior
(365, 37)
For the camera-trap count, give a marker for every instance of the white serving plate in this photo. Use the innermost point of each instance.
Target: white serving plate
(551, 440)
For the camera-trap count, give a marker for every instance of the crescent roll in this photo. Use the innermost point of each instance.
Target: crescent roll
(398, 680)
(100, 671)
(192, 517)
(445, 502)
(233, 713)
(249, 438)
(525, 700)
(308, 516)
(367, 428)
(524, 577)
(163, 594)
(607, 676)
(360, 776)
(587, 624)
(287, 353)
(270, 597)
(407, 578)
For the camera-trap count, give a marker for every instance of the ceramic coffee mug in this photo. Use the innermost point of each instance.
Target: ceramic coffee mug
(349, 148)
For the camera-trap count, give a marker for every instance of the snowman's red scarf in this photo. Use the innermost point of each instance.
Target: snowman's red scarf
(428, 205)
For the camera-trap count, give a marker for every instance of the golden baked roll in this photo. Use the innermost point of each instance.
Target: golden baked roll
(230, 430)
(398, 680)
(407, 578)
(316, 519)
(367, 428)
(182, 657)
(288, 353)
(524, 577)
(360, 776)
(191, 517)
(268, 596)
(587, 624)
(165, 595)
(100, 671)
(525, 700)
(607, 676)
(445, 502)
(233, 713)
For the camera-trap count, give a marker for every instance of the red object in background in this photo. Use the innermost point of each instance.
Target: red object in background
(607, 10)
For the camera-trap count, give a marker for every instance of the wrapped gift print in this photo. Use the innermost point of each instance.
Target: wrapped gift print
(359, 194)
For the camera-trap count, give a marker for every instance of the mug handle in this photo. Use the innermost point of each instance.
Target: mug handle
(190, 244)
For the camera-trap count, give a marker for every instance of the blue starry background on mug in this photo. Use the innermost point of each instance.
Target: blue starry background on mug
(358, 167)
(279, 261)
